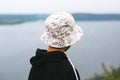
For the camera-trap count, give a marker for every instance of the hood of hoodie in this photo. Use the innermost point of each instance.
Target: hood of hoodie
(43, 57)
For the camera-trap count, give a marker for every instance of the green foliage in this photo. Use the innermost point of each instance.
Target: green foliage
(114, 74)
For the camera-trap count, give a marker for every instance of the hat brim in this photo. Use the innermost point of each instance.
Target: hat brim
(74, 37)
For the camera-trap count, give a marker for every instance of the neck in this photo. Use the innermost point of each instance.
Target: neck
(51, 49)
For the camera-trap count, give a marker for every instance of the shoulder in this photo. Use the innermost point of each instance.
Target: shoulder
(59, 65)
(63, 71)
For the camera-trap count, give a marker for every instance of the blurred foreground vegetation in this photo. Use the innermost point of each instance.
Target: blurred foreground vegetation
(112, 74)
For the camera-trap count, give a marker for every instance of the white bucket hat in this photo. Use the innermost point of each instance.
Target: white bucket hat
(61, 30)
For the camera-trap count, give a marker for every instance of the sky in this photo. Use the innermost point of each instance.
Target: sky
(50, 6)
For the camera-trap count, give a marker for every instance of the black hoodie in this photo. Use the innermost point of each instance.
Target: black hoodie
(51, 66)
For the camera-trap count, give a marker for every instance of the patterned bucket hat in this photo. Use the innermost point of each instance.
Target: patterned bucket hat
(61, 30)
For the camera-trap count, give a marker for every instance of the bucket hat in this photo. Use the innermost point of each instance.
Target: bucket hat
(61, 30)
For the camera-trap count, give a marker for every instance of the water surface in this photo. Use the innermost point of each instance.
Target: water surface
(18, 44)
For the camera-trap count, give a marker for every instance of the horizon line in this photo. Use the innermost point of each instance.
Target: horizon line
(51, 13)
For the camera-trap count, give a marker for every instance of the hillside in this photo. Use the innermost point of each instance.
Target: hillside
(91, 17)
(18, 18)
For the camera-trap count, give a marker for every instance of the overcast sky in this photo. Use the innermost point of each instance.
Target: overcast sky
(49, 6)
